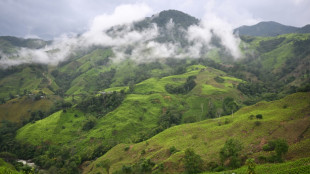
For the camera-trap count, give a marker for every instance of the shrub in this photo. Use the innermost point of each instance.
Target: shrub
(173, 150)
(126, 169)
(257, 123)
(259, 116)
(126, 148)
(88, 125)
(193, 162)
(251, 166)
(190, 119)
(251, 117)
(219, 79)
(230, 153)
(280, 147)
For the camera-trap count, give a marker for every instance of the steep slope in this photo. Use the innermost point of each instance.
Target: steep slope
(282, 59)
(20, 109)
(287, 118)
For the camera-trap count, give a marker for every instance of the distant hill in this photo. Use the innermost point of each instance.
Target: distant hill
(9, 44)
(270, 28)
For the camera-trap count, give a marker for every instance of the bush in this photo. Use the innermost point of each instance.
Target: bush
(259, 116)
(193, 162)
(280, 147)
(251, 166)
(173, 150)
(257, 123)
(182, 89)
(230, 153)
(251, 117)
(219, 79)
(126, 148)
(89, 125)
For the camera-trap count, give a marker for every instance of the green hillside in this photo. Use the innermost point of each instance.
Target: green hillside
(287, 118)
(131, 124)
(95, 111)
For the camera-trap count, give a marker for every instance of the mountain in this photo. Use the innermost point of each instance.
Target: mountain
(9, 44)
(305, 29)
(96, 113)
(269, 29)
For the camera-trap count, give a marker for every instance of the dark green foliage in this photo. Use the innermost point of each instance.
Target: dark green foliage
(102, 149)
(212, 166)
(106, 164)
(252, 89)
(173, 150)
(104, 80)
(126, 169)
(251, 166)
(269, 28)
(230, 153)
(182, 89)
(271, 44)
(131, 87)
(302, 47)
(229, 106)
(193, 162)
(304, 88)
(7, 134)
(143, 166)
(169, 118)
(102, 104)
(8, 157)
(126, 148)
(257, 123)
(179, 18)
(190, 119)
(280, 147)
(88, 125)
(259, 116)
(219, 79)
(251, 117)
(64, 79)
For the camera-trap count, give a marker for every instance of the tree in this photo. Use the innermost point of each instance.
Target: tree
(281, 148)
(193, 162)
(106, 164)
(251, 166)
(229, 106)
(230, 153)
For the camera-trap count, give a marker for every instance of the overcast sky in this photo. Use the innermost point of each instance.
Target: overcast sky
(48, 19)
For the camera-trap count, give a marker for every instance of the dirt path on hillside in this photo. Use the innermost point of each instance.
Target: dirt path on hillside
(49, 79)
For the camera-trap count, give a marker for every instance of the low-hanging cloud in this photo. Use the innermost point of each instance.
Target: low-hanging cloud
(117, 31)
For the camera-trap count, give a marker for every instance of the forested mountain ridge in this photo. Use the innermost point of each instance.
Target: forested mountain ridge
(270, 28)
(91, 113)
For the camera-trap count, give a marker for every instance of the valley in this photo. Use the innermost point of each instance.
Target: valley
(125, 109)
